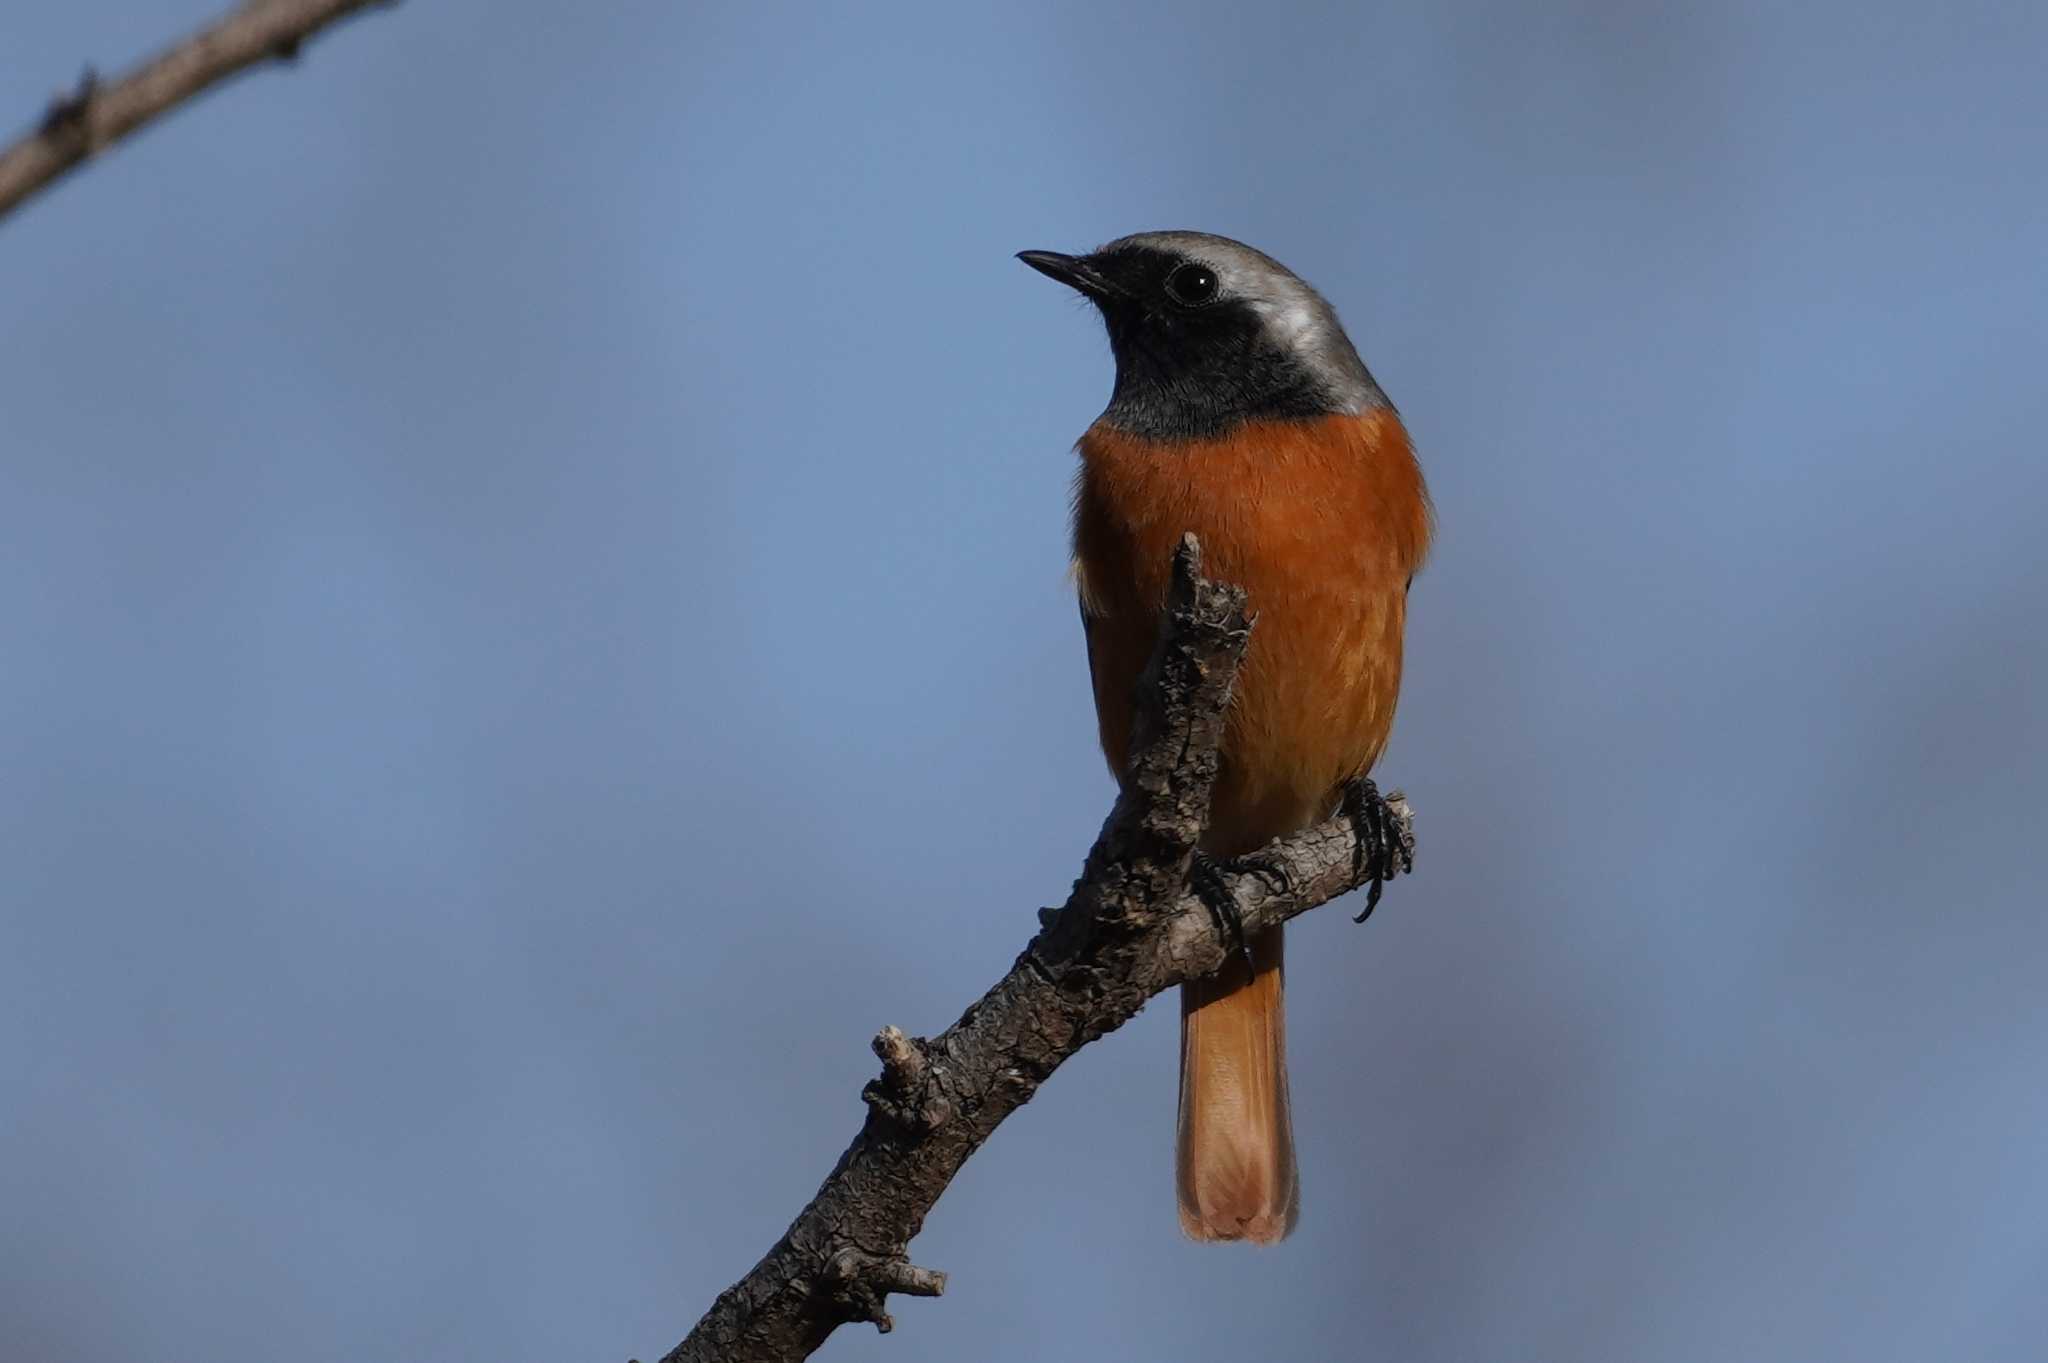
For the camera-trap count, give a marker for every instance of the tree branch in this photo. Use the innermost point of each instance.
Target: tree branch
(92, 117)
(1133, 927)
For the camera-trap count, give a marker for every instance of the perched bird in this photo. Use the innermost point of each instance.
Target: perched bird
(1242, 413)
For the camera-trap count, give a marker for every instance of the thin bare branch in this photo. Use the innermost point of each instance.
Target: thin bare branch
(93, 116)
(1133, 926)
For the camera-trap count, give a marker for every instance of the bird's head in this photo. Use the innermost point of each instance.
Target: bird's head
(1209, 333)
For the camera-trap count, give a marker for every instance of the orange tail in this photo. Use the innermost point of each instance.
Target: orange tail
(1235, 1155)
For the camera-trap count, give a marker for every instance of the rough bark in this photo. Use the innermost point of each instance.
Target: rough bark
(93, 116)
(1135, 924)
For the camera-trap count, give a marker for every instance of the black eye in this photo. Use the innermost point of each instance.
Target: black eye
(1191, 285)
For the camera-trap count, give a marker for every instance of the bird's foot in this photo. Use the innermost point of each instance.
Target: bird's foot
(1386, 840)
(1267, 867)
(1205, 878)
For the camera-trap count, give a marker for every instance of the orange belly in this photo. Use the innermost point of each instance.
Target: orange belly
(1322, 523)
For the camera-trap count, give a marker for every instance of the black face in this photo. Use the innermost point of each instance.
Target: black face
(1191, 362)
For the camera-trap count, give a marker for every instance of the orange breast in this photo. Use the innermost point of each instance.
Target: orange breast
(1322, 523)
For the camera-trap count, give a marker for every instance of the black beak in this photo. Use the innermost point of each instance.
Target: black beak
(1076, 272)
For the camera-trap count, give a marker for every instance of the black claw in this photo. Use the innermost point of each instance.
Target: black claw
(1205, 878)
(1381, 853)
(1272, 871)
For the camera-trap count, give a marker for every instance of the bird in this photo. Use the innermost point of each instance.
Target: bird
(1242, 413)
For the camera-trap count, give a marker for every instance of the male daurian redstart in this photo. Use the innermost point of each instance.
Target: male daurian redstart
(1242, 413)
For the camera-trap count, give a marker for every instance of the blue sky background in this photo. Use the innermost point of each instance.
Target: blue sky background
(532, 621)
